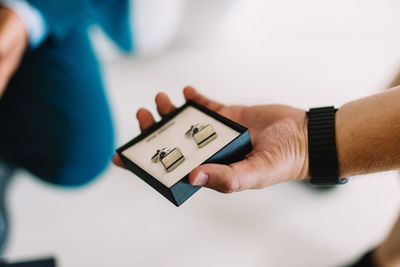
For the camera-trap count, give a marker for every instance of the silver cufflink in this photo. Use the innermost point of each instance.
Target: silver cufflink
(170, 158)
(202, 134)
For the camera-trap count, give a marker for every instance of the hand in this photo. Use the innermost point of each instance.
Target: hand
(13, 42)
(388, 253)
(279, 139)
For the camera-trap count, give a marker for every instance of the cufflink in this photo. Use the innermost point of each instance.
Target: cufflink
(202, 134)
(170, 158)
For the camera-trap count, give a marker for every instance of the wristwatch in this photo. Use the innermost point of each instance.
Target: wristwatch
(322, 153)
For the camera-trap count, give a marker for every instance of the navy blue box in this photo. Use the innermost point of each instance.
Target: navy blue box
(182, 190)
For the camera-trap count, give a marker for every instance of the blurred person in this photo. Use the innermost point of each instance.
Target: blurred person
(292, 144)
(52, 100)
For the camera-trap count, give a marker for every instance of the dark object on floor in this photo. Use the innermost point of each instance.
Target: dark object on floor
(37, 263)
(6, 172)
(365, 261)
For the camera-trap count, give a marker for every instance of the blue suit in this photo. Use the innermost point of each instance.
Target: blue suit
(64, 16)
(54, 116)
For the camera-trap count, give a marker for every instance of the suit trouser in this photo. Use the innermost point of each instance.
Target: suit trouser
(54, 117)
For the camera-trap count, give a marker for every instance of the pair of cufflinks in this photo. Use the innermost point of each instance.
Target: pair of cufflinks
(172, 158)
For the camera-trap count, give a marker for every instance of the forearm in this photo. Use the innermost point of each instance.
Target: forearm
(368, 134)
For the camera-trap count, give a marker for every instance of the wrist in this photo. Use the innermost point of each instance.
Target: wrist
(303, 137)
(322, 147)
(352, 152)
(342, 138)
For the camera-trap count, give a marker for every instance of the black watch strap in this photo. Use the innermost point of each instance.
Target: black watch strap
(322, 153)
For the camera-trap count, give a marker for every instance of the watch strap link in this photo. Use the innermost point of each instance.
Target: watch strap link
(323, 160)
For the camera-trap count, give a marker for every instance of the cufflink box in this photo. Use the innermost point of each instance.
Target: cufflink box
(220, 140)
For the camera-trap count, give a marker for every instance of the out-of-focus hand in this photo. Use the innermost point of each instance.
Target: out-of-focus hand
(279, 138)
(13, 42)
(388, 253)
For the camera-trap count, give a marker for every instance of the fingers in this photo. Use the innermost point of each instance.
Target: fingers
(214, 176)
(191, 94)
(164, 105)
(242, 175)
(117, 161)
(145, 118)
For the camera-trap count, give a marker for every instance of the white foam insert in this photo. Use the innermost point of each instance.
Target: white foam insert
(172, 135)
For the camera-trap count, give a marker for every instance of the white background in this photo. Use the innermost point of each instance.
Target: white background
(304, 53)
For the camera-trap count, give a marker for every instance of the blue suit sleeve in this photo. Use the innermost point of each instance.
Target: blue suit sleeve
(63, 16)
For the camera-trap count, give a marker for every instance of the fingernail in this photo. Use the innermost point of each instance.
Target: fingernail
(201, 179)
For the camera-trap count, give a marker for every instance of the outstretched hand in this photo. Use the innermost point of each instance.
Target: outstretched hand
(279, 138)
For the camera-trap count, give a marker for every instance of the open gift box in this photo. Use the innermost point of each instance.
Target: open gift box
(164, 154)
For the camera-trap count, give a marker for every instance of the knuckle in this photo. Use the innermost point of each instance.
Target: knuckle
(231, 185)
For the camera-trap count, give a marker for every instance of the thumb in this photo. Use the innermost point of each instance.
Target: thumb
(238, 176)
